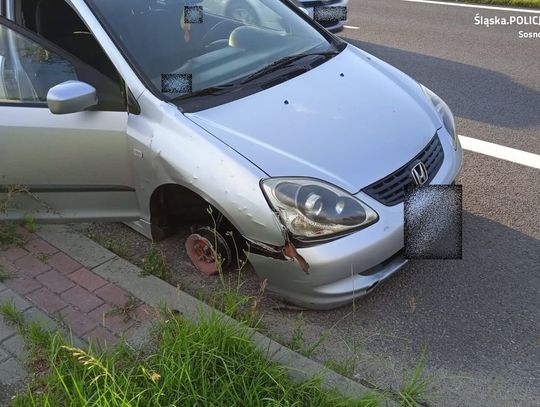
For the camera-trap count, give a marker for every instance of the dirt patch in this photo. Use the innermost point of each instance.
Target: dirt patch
(135, 248)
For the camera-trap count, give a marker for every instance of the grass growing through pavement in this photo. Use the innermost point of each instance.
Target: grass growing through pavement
(118, 247)
(36, 339)
(125, 310)
(6, 274)
(515, 3)
(11, 315)
(29, 223)
(232, 299)
(209, 363)
(9, 234)
(415, 388)
(155, 264)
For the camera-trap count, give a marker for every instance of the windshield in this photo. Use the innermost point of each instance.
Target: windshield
(183, 47)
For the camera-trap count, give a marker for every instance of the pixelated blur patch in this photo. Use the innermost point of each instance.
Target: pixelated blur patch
(193, 14)
(325, 13)
(433, 222)
(176, 83)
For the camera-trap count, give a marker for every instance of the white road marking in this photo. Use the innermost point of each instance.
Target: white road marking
(502, 152)
(350, 27)
(444, 3)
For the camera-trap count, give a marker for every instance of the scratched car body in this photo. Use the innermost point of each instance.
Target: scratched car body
(300, 143)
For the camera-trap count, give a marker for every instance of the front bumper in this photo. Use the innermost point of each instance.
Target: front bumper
(350, 267)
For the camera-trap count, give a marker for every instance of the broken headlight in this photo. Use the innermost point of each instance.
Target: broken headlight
(312, 209)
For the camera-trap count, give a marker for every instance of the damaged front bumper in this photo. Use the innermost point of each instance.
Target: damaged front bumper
(339, 271)
(347, 268)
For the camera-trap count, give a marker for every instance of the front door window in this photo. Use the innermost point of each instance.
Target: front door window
(28, 70)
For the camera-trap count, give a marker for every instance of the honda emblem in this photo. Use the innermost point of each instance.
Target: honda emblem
(420, 174)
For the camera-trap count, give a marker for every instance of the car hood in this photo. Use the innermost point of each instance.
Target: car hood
(349, 121)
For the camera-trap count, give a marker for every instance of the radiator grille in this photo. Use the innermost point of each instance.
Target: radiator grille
(390, 190)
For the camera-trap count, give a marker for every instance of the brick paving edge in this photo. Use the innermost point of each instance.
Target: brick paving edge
(156, 292)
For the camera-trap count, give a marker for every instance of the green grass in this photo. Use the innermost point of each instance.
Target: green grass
(29, 223)
(9, 234)
(415, 388)
(6, 274)
(155, 264)
(11, 315)
(125, 310)
(209, 363)
(298, 342)
(509, 3)
(118, 247)
(345, 366)
(230, 298)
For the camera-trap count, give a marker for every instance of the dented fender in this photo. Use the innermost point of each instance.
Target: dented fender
(178, 151)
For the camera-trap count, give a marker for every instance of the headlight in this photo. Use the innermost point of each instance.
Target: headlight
(312, 209)
(444, 113)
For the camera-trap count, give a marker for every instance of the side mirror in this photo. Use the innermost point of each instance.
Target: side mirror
(71, 97)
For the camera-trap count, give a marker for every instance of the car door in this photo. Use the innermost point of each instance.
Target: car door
(59, 167)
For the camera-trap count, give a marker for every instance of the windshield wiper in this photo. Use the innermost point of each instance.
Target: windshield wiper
(211, 91)
(274, 66)
(283, 63)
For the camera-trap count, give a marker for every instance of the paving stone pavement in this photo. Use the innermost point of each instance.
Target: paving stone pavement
(51, 287)
(61, 275)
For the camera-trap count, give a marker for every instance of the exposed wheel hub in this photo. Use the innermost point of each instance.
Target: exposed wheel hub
(202, 253)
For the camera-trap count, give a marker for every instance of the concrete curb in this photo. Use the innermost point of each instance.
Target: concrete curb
(156, 292)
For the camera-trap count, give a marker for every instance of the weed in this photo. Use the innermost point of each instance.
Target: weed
(9, 234)
(37, 335)
(36, 338)
(155, 264)
(414, 389)
(192, 364)
(230, 298)
(60, 320)
(12, 315)
(44, 257)
(12, 192)
(345, 366)
(126, 310)
(29, 223)
(298, 342)
(6, 274)
(120, 248)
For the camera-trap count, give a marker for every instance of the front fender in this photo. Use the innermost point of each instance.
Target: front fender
(183, 153)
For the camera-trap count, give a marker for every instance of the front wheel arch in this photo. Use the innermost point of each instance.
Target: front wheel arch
(173, 206)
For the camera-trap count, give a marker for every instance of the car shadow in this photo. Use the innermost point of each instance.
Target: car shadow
(471, 92)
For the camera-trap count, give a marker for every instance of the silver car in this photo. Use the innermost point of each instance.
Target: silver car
(151, 112)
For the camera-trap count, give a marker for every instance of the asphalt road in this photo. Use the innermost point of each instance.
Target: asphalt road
(478, 317)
